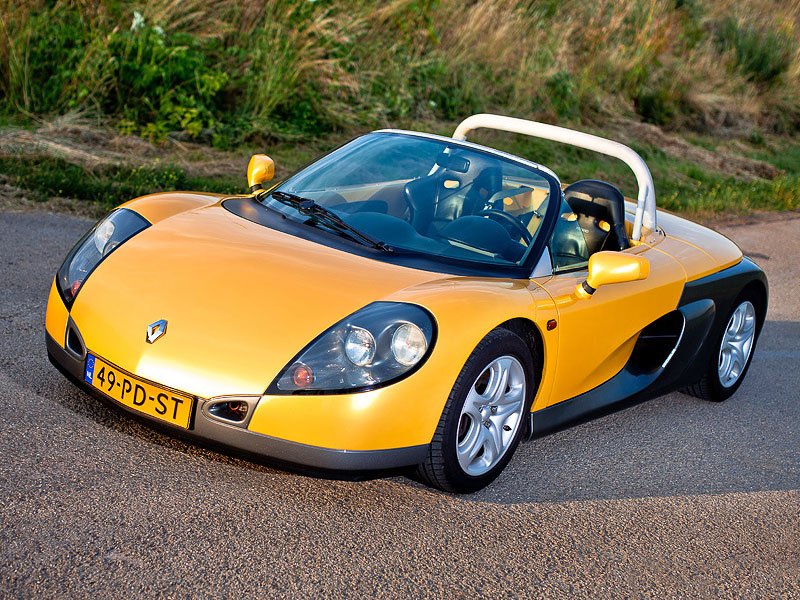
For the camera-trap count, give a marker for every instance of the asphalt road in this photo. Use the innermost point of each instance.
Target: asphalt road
(672, 497)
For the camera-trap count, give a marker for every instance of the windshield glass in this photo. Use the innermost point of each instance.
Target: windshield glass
(428, 196)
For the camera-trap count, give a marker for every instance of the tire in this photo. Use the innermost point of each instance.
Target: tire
(460, 431)
(714, 385)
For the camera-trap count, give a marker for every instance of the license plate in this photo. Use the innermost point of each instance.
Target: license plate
(161, 403)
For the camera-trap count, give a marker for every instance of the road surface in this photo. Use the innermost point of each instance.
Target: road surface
(675, 496)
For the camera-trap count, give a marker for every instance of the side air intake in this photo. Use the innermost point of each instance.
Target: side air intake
(657, 343)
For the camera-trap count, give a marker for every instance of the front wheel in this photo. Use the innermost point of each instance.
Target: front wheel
(484, 417)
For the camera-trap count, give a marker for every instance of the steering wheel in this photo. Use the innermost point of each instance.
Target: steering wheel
(506, 219)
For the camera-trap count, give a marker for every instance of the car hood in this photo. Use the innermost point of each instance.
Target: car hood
(240, 299)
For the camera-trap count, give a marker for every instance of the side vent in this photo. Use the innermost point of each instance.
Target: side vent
(657, 343)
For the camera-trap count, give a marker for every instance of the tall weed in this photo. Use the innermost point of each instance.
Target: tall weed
(762, 55)
(223, 70)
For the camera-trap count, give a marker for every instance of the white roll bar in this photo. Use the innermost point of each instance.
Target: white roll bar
(646, 205)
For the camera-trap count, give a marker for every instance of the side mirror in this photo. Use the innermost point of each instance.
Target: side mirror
(606, 268)
(260, 169)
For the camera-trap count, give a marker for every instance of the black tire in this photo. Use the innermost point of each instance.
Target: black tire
(709, 387)
(441, 468)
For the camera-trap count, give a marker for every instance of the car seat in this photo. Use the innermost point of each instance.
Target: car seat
(600, 208)
(421, 196)
(485, 185)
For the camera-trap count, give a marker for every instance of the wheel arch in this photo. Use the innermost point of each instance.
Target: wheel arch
(530, 334)
(726, 286)
(758, 290)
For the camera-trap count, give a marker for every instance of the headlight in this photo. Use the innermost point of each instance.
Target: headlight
(377, 345)
(102, 240)
(408, 344)
(359, 346)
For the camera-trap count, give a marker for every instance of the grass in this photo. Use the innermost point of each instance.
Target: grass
(227, 72)
(785, 156)
(107, 186)
(761, 55)
(681, 186)
(296, 77)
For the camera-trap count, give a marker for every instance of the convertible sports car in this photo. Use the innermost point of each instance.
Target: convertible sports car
(408, 300)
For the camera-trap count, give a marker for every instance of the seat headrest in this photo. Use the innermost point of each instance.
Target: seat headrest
(593, 198)
(594, 189)
(488, 182)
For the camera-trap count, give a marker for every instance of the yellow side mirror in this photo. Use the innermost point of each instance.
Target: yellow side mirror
(612, 267)
(260, 169)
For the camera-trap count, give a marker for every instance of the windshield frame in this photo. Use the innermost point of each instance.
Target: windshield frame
(411, 258)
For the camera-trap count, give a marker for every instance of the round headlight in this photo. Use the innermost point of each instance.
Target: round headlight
(408, 344)
(359, 346)
(102, 234)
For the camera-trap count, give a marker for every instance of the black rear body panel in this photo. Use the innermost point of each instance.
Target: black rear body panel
(704, 307)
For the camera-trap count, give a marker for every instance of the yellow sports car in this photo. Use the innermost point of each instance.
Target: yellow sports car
(408, 300)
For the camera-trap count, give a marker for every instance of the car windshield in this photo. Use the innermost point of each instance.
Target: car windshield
(427, 196)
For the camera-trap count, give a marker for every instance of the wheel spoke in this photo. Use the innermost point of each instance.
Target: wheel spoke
(748, 327)
(493, 445)
(737, 344)
(504, 410)
(733, 326)
(473, 404)
(514, 396)
(473, 441)
(737, 352)
(497, 382)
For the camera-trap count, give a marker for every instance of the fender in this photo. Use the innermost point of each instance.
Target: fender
(157, 207)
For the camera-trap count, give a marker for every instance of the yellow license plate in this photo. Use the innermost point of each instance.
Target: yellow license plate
(161, 403)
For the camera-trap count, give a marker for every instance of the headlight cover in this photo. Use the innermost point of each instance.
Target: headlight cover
(377, 345)
(105, 237)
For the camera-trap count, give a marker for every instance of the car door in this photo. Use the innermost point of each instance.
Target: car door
(596, 335)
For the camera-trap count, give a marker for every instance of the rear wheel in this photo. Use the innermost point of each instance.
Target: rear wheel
(732, 354)
(485, 416)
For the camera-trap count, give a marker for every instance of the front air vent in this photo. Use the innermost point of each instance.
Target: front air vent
(232, 410)
(74, 341)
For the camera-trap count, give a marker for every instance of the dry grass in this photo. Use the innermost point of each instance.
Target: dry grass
(245, 74)
(78, 140)
(363, 62)
(290, 51)
(721, 160)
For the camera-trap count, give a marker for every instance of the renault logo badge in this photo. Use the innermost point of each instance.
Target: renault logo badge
(156, 330)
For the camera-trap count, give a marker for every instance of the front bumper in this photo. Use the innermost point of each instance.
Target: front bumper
(204, 429)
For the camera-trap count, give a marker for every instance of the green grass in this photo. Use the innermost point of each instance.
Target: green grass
(226, 72)
(763, 55)
(782, 154)
(109, 186)
(681, 186)
(713, 195)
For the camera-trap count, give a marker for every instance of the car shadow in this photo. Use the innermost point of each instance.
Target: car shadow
(671, 445)
(675, 444)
